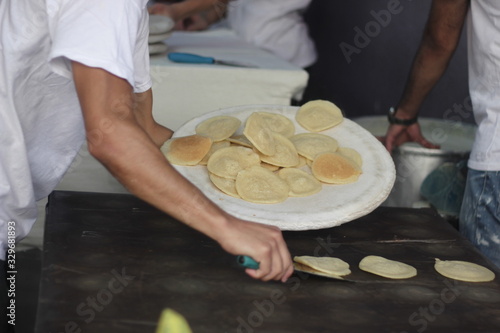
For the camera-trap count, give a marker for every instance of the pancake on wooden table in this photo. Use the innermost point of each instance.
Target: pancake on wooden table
(387, 268)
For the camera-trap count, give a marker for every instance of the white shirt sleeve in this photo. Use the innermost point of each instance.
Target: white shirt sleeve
(110, 34)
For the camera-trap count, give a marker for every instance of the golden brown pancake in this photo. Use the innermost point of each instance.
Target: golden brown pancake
(333, 168)
(187, 150)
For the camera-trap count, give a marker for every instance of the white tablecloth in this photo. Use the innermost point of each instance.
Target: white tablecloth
(184, 91)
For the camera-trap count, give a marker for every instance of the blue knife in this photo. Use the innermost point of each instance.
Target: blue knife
(189, 58)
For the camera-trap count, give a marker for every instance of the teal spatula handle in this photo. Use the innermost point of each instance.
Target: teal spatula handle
(247, 262)
(189, 58)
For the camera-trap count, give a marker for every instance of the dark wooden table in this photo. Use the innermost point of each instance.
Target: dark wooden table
(112, 263)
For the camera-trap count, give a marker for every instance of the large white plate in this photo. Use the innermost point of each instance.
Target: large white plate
(333, 205)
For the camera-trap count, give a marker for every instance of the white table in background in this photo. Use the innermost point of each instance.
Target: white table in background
(184, 91)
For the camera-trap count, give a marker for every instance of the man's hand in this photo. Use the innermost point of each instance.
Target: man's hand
(398, 134)
(263, 243)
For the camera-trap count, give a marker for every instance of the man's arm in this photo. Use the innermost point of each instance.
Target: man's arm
(117, 137)
(143, 113)
(440, 39)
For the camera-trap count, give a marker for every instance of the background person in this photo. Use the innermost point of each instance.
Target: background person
(480, 212)
(274, 25)
(191, 15)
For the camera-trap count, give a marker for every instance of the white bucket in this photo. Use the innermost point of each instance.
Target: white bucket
(414, 162)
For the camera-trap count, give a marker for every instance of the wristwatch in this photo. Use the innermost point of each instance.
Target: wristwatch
(391, 116)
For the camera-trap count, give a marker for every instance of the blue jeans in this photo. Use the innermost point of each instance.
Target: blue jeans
(480, 212)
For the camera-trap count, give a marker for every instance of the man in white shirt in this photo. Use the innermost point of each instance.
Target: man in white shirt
(480, 214)
(276, 26)
(76, 68)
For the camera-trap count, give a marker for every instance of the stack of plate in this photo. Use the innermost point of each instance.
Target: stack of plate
(160, 28)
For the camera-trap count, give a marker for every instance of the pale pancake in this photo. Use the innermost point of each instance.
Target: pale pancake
(301, 183)
(227, 162)
(329, 265)
(261, 137)
(226, 185)
(240, 140)
(302, 161)
(259, 185)
(269, 166)
(463, 271)
(311, 144)
(285, 155)
(319, 115)
(277, 123)
(333, 168)
(351, 154)
(215, 146)
(218, 128)
(187, 150)
(387, 268)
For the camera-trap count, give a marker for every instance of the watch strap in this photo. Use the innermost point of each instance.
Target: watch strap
(393, 120)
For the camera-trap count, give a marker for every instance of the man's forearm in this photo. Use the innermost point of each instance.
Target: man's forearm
(116, 138)
(143, 111)
(441, 37)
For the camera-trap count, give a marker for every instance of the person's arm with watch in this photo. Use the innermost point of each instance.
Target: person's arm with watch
(440, 39)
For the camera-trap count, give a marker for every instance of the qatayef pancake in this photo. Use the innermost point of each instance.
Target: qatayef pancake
(319, 115)
(240, 140)
(333, 168)
(269, 166)
(262, 138)
(187, 150)
(285, 153)
(227, 162)
(226, 185)
(387, 268)
(218, 128)
(260, 185)
(277, 123)
(301, 183)
(311, 144)
(329, 265)
(351, 154)
(215, 146)
(463, 271)
(302, 161)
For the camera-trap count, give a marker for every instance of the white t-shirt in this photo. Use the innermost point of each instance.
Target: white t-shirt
(484, 82)
(276, 26)
(41, 125)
